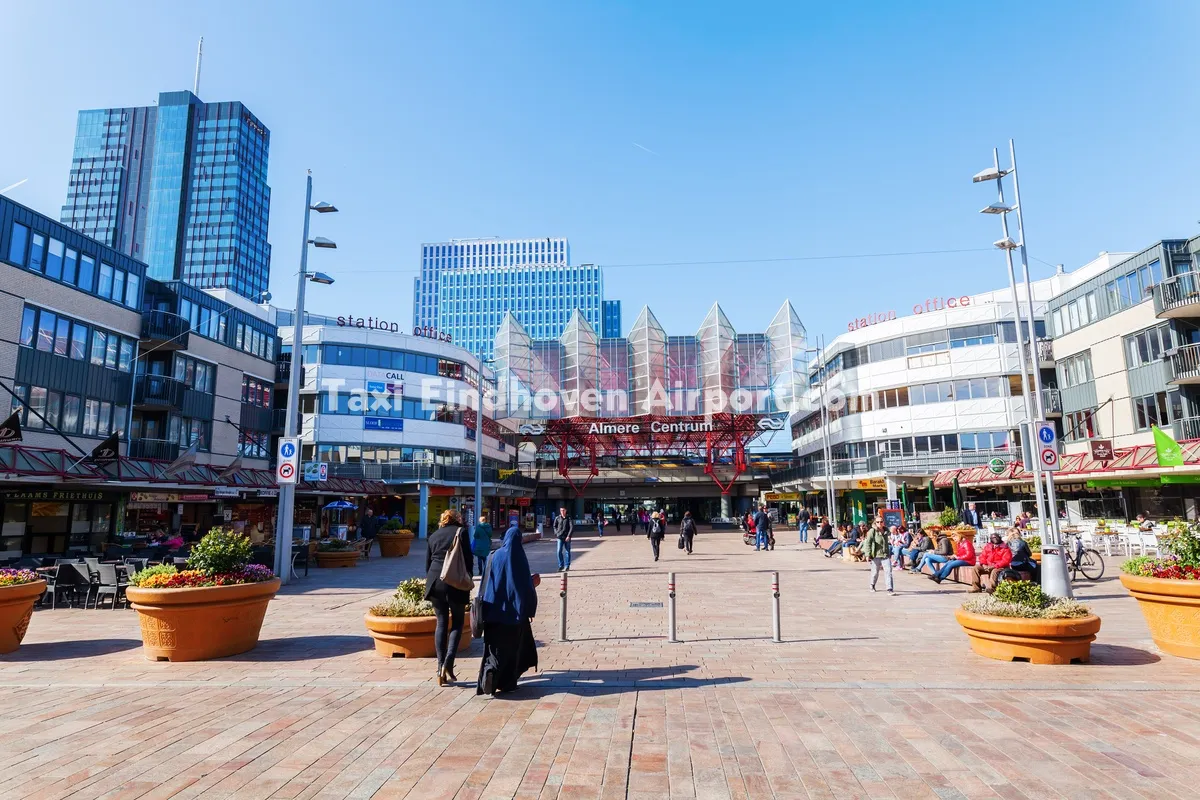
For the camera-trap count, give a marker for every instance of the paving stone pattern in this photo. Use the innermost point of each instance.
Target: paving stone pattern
(869, 695)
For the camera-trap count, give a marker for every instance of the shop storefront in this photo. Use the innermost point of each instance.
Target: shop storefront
(54, 521)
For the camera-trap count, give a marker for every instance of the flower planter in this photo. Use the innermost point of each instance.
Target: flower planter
(394, 545)
(411, 637)
(203, 623)
(1040, 641)
(16, 609)
(1037, 557)
(338, 558)
(1172, 612)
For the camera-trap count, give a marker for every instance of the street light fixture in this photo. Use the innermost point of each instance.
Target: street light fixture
(996, 208)
(1005, 244)
(989, 174)
(287, 491)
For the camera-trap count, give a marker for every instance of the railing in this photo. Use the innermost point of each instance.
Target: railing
(158, 390)
(916, 464)
(279, 420)
(1176, 291)
(256, 418)
(1045, 351)
(154, 448)
(1051, 401)
(1188, 428)
(283, 369)
(166, 327)
(411, 473)
(1185, 362)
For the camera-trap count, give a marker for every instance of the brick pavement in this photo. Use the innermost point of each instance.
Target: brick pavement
(868, 696)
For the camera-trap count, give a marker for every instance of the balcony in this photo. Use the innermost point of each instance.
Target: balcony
(1052, 402)
(411, 473)
(163, 330)
(916, 464)
(1045, 354)
(1185, 365)
(1188, 428)
(283, 370)
(1178, 296)
(160, 449)
(157, 391)
(256, 418)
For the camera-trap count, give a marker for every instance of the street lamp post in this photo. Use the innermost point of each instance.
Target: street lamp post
(287, 491)
(1054, 574)
(826, 451)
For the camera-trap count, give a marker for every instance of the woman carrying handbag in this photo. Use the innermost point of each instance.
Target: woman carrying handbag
(448, 589)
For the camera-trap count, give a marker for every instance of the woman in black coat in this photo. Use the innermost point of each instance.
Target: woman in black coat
(449, 603)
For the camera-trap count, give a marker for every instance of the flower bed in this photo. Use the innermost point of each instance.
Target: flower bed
(404, 625)
(1167, 588)
(19, 590)
(214, 608)
(1020, 623)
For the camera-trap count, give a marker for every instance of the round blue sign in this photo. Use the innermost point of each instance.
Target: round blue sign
(288, 450)
(1046, 434)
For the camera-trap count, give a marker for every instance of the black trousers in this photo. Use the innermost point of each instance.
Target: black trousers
(655, 542)
(446, 636)
(687, 541)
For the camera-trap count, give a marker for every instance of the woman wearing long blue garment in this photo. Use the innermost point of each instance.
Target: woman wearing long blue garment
(509, 602)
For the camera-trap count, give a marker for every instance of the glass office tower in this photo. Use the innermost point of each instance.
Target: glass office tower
(612, 319)
(181, 186)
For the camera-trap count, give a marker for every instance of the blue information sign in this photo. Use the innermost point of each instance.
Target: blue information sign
(382, 424)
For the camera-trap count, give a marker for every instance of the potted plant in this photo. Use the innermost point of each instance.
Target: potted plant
(19, 590)
(337, 553)
(948, 518)
(212, 609)
(1167, 588)
(394, 540)
(1035, 546)
(404, 625)
(1020, 622)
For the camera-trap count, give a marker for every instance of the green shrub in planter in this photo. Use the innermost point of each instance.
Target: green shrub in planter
(221, 550)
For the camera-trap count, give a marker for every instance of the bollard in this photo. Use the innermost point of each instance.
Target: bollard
(562, 607)
(671, 607)
(777, 636)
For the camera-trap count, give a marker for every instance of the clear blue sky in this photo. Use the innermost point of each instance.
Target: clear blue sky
(776, 130)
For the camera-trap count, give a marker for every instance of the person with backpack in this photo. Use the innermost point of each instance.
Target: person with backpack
(803, 518)
(658, 530)
(875, 547)
(687, 531)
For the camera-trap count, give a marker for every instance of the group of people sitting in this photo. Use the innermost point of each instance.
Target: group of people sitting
(895, 548)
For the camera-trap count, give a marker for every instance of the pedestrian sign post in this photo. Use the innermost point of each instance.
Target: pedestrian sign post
(1047, 445)
(997, 465)
(287, 462)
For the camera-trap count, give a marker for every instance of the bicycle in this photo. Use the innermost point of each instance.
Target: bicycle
(1084, 560)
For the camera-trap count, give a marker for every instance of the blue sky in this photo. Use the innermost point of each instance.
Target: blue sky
(773, 130)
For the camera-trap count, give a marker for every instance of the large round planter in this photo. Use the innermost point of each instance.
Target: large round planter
(1037, 557)
(394, 545)
(1039, 641)
(16, 609)
(1172, 611)
(410, 637)
(337, 558)
(198, 624)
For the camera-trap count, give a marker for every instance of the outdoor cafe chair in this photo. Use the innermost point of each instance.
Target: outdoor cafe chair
(65, 581)
(180, 563)
(109, 585)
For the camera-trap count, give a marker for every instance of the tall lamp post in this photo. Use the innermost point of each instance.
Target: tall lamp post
(287, 491)
(478, 449)
(826, 451)
(1054, 569)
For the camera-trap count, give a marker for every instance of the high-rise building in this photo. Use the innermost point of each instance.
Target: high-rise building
(437, 257)
(611, 312)
(181, 186)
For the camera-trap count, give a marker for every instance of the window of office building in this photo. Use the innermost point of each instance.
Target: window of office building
(927, 342)
(1075, 370)
(40, 408)
(54, 333)
(1148, 346)
(194, 374)
(1160, 408)
(1079, 425)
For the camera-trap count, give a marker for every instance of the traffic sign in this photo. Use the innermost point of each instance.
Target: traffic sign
(997, 465)
(287, 463)
(1047, 443)
(316, 471)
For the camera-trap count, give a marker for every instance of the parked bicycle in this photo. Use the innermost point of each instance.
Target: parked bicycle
(1085, 560)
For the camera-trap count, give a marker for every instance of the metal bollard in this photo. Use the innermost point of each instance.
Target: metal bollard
(671, 607)
(776, 636)
(562, 607)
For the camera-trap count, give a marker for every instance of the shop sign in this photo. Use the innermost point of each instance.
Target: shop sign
(1102, 449)
(227, 491)
(505, 474)
(52, 495)
(523, 502)
(382, 424)
(997, 465)
(782, 497)
(871, 484)
(268, 493)
(381, 375)
(168, 497)
(374, 323)
(430, 332)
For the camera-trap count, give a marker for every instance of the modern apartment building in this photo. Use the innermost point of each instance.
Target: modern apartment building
(180, 186)
(611, 312)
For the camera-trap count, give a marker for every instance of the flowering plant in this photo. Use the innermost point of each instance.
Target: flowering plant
(16, 577)
(168, 577)
(1181, 543)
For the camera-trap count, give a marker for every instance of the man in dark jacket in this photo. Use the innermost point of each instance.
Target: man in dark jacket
(762, 525)
(658, 529)
(803, 518)
(563, 528)
(369, 527)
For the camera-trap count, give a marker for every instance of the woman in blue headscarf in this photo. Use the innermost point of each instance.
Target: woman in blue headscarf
(509, 601)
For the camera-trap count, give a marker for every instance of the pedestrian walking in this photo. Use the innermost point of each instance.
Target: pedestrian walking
(655, 533)
(509, 601)
(600, 523)
(369, 528)
(449, 602)
(876, 549)
(481, 542)
(687, 529)
(617, 520)
(563, 528)
(803, 518)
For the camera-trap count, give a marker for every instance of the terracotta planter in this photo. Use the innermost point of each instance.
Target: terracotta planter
(198, 624)
(16, 609)
(337, 558)
(394, 545)
(410, 637)
(1040, 641)
(1037, 557)
(1172, 612)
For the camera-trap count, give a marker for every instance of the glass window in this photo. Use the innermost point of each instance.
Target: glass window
(118, 287)
(53, 408)
(132, 286)
(62, 337)
(91, 417)
(37, 402)
(106, 280)
(70, 414)
(54, 259)
(28, 325)
(79, 333)
(112, 351)
(22, 398)
(87, 273)
(104, 420)
(99, 347)
(45, 335)
(37, 253)
(125, 359)
(70, 265)
(18, 243)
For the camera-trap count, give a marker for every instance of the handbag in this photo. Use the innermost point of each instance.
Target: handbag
(682, 544)
(477, 601)
(454, 572)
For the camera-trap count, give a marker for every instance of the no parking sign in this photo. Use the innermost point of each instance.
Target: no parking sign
(288, 462)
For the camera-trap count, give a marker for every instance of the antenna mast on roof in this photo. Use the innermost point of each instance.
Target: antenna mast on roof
(199, 58)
